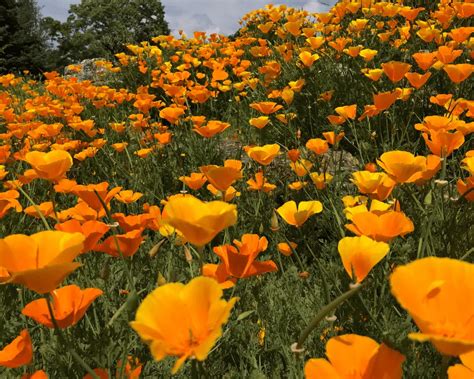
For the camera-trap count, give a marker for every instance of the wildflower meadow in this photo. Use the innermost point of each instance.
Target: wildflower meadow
(292, 201)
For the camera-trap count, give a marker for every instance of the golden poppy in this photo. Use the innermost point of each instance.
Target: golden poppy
(354, 356)
(286, 248)
(360, 254)
(459, 72)
(128, 196)
(402, 166)
(395, 71)
(189, 320)
(18, 353)
(8, 200)
(221, 177)
(464, 370)
(297, 215)
(92, 231)
(240, 263)
(211, 128)
(377, 185)
(122, 245)
(89, 194)
(259, 122)
(199, 222)
(317, 145)
(437, 303)
(40, 261)
(443, 143)
(263, 154)
(195, 181)
(69, 305)
(266, 107)
(381, 226)
(50, 166)
(260, 183)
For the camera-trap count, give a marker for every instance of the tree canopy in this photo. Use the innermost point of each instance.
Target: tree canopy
(101, 28)
(22, 42)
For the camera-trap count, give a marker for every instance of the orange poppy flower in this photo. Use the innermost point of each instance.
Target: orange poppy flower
(8, 200)
(464, 370)
(287, 248)
(88, 194)
(69, 305)
(18, 353)
(195, 181)
(466, 188)
(368, 54)
(189, 320)
(128, 244)
(348, 112)
(360, 254)
(266, 107)
(171, 114)
(377, 185)
(383, 226)
(38, 374)
(263, 154)
(301, 167)
(211, 128)
(320, 180)
(373, 74)
(227, 195)
(40, 261)
(241, 263)
(92, 230)
(260, 183)
(297, 215)
(417, 80)
(447, 54)
(443, 143)
(199, 222)
(437, 303)
(333, 138)
(402, 166)
(317, 145)
(222, 177)
(458, 72)
(293, 155)
(128, 196)
(50, 166)
(384, 100)
(259, 122)
(395, 71)
(354, 356)
(308, 59)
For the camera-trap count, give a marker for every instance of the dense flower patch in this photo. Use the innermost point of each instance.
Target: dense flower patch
(295, 200)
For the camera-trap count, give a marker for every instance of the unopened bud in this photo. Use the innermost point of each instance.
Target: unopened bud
(274, 226)
(187, 254)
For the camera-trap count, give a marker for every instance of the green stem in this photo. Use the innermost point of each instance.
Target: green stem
(66, 343)
(37, 209)
(329, 308)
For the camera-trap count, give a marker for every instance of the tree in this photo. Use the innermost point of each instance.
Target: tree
(101, 28)
(22, 43)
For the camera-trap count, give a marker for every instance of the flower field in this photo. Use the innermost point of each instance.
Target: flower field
(291, 201)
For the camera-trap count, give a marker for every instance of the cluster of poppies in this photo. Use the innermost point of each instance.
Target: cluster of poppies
(49, 132)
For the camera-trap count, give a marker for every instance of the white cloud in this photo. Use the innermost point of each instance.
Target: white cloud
(212, 16)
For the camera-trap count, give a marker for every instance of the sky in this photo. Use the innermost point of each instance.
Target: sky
(212, 16)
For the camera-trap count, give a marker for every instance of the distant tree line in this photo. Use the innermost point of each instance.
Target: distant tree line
(93, 29)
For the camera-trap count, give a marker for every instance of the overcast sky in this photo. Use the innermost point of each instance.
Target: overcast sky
(219, 16)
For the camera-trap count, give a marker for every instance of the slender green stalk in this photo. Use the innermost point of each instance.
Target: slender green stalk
(332, 306)
(67, 344)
